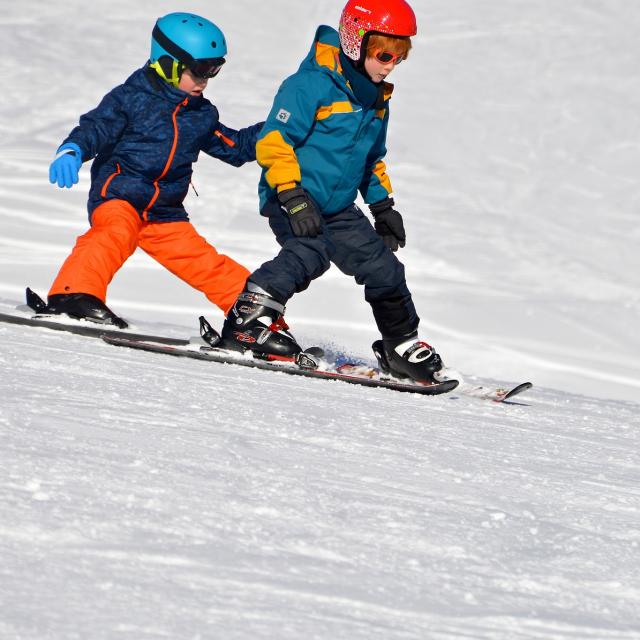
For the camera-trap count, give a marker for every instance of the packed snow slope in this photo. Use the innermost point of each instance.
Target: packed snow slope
(148, 497)
(144, 496)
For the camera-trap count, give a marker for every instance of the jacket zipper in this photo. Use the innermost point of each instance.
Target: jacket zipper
(341, 179)
(145, 213)
(105, 186)
(228, 141)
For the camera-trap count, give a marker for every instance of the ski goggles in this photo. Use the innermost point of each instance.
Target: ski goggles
(206, 69)
(386, 57)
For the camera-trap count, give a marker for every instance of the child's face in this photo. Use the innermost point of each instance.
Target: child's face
(377, 70)
(193, 85)
(381, 64)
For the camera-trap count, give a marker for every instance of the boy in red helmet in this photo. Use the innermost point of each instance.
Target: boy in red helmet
(143, 139)
(324, 141)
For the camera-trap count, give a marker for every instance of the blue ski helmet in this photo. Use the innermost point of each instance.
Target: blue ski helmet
(186, 38)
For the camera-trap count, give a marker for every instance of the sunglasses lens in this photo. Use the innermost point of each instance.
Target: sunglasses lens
(385, 57)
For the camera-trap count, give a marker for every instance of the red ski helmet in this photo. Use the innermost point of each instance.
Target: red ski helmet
(363, 17)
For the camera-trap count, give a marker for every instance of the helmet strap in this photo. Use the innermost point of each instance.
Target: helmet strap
(168, 69)
(356, 65)
(363, 52)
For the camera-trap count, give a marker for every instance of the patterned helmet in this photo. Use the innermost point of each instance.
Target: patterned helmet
(363, 17)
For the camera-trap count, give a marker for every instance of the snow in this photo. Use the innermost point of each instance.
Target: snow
(149, 497)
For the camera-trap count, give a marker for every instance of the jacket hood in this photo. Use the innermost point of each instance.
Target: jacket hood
(324, 55)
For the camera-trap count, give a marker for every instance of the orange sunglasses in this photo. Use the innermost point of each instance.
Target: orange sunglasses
(386, 57)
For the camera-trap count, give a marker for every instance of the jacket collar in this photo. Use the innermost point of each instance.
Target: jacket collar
(326, 54)
(368, 93)
(147, 79)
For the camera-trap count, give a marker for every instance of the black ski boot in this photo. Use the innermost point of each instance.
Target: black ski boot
(83, 306)
(256, 323)
(407, 359)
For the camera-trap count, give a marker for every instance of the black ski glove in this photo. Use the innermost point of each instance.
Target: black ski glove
(388, 223)
(303, 215)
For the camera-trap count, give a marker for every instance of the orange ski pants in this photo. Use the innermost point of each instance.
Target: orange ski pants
(116, 231)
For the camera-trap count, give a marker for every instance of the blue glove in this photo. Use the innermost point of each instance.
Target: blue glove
(64, 169)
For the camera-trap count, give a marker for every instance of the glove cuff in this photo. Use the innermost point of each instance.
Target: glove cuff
(72, 148)
(289, 194)
(381, 206)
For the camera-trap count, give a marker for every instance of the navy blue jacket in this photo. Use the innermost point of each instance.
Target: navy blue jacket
(144, 137)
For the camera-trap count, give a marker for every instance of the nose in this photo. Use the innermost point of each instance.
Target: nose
(389, 66)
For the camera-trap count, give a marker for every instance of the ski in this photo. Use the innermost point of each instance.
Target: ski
(344, 364)
(85, 328)
(78, 327)
(309, 363)
(304, 365)
(497, 395)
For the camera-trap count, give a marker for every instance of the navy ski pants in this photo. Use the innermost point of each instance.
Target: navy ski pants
(352, 244)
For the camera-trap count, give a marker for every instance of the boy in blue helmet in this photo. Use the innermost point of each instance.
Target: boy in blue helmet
(324, 141)
(143, 138)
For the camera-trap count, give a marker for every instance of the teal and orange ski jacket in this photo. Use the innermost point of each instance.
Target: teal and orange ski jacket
(320, 136)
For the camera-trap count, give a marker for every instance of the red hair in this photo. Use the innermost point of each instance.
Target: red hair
(398, 45)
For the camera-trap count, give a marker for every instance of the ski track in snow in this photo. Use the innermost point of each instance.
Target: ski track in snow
(146, 497)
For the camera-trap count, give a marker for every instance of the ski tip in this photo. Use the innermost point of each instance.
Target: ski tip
(34, 301)
(525, 386)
